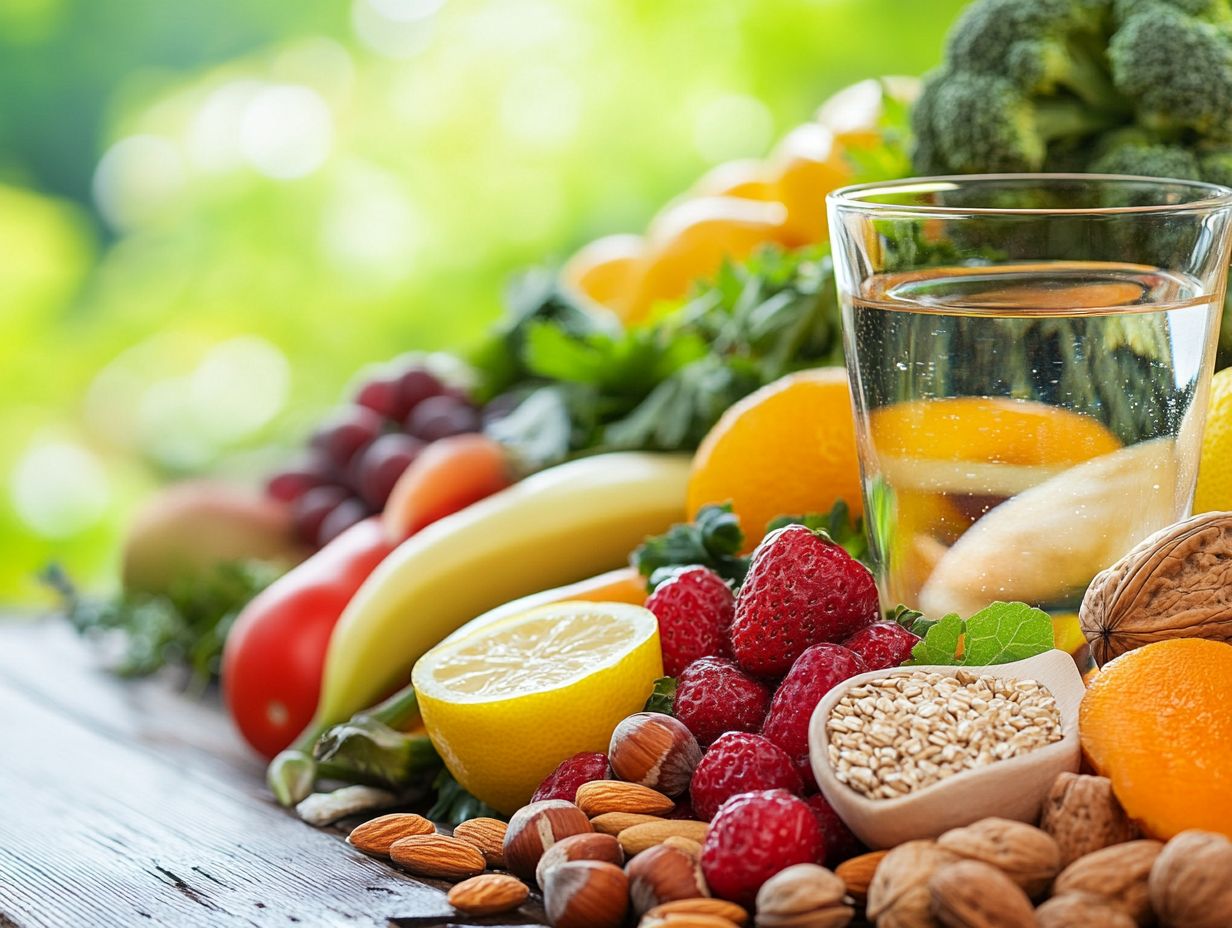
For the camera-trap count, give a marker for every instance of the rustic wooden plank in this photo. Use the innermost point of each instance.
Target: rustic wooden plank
(48, 659)
(128, 804)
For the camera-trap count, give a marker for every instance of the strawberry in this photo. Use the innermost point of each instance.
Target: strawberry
(563, 782)
(882, 645)
(840, 842)
(714, 696)
(753, 837)
(739, 762)
(814, 673)
(801, 589)
(694, 609)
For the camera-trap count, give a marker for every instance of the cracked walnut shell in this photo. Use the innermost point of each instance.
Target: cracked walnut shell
(1175, 584)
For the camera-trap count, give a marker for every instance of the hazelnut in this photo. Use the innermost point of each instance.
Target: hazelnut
(663, 874)
(803, 894)
(586, 894)
(580, 847)
(535, 828)
(654, 750)
(1189, 881)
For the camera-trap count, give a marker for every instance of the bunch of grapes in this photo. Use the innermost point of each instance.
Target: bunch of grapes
(355, 457)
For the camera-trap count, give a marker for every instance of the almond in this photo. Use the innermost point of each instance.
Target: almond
(718, 908)
(600, 796)
(437, 856)
(642, 837)
(688, 845)
(858, 872)
(686, 920)
(487, 834)
(376, 835)
(613, 823)
(488, 894)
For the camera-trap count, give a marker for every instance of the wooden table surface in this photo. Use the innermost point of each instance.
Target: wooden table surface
(126, 803)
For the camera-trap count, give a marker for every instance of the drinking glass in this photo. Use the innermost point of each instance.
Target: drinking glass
(1029, 358)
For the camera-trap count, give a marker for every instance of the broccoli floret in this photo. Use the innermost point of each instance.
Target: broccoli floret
(1044, 47)
(1215, 165)
(1134, 151)
(1177, 69)
(1217, 12)
(967, 123)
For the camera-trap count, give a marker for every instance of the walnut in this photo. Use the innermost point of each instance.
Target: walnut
(1022, 852)
(1083, 815)
(1175, 584)
(1085, 909)
(1191, 881)
(970, 894)
(1118, 874)
(899, 897)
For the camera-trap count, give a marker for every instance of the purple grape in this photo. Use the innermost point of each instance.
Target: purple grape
(290, 484)
(441, 416)
(340, 518)
(311, 509)
(382, 463)
(347, 433)
(416, 385)
(382, 395)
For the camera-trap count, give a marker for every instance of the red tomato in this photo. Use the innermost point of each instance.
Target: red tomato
(275, 651)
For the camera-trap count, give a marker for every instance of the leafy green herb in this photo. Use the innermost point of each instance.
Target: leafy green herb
(838, 524)
(998, 634)
(185, 626)
(454, 805)
(661, 385)
(662, 697)
(715, 539)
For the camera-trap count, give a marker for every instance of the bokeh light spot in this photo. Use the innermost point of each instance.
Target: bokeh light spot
(239, 386)
(59, 488)
(136, 178)
(287, 131)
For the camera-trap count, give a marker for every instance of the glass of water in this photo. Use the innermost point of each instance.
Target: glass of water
(1029, 358)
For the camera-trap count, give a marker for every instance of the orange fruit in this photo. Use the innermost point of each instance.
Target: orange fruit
(689, 240)
(747, 178)
(1155, 721)
(787, 449)
(606, 270)
(982, 444)
(805, 166)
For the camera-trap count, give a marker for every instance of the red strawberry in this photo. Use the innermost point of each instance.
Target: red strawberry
(739, 762)
(801, 589)
(753, 837)
(563, 782)
(840, 842)
(714, 696)
(818, 669)
(694, 609)
(882, 645)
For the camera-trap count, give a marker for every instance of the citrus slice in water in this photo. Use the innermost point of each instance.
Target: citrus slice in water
(507, 704)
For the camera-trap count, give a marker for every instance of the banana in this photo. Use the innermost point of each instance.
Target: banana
(552, 528)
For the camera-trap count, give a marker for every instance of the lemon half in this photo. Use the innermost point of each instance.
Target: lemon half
(506, 705)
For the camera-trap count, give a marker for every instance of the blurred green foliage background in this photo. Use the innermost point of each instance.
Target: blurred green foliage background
(213, 214)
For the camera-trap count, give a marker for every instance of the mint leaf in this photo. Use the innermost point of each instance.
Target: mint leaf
(940, 643)
(1000, 633)
(662, 697)
(1005, 632)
